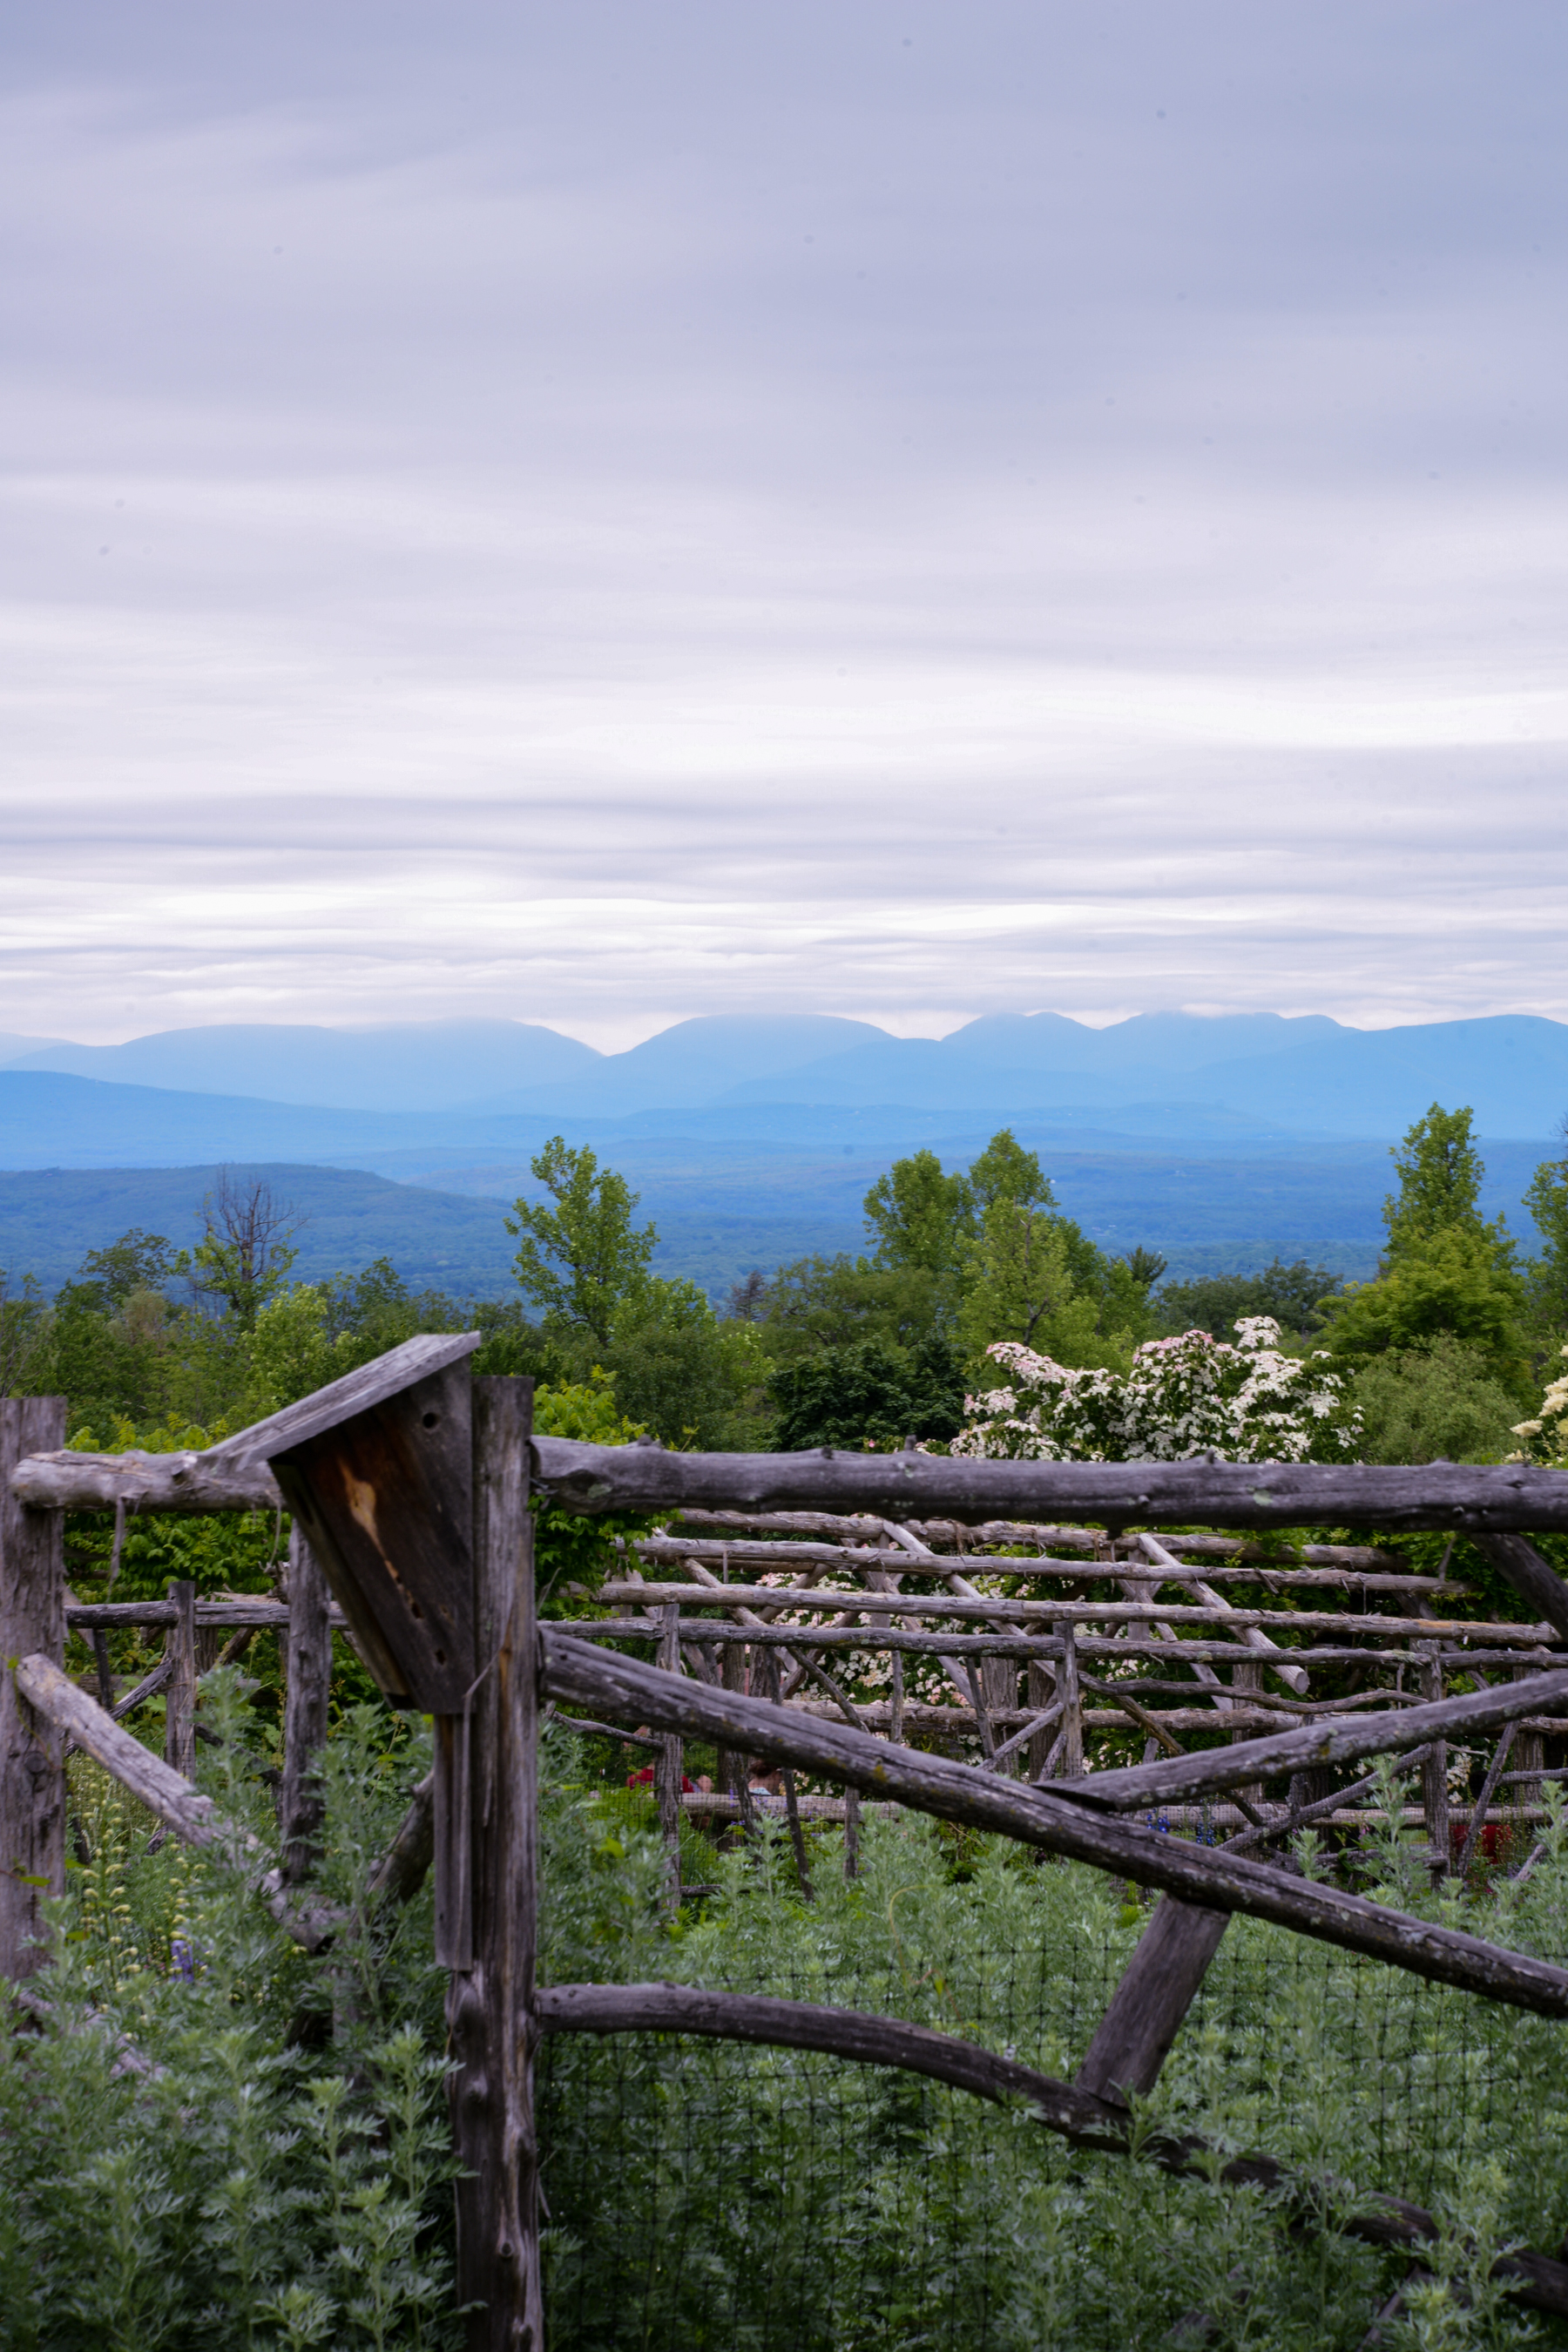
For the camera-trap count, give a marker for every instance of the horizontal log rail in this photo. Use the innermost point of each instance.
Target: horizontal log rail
(655, 1550)
(1467, 1497)
(613, 1687)
(962, 1537)
(1486, 1499)
(1018, 1608)
(85, 1615)
(1177, 1779)
(1539, 2281)
(144, 1483)
(705, 1632)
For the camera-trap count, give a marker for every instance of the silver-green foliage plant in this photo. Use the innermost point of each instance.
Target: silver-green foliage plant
(208, 2138)
(718, 2195)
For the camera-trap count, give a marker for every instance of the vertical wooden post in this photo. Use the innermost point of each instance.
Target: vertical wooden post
(1042, 1690)
(896, 1698)
(1435, 1772)
(668, 1769)
(999, 1688)
(180, 1690)
(32, 1619)
(104, 1669)
(490, 2004)
(734, 1773)
(851, 1833)
(304, 1708)
(1247, 1675)
(1071, 1764)
(1528, 1753)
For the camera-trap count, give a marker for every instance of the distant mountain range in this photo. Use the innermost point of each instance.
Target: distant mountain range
(1216, 1141)
(1171, 1076)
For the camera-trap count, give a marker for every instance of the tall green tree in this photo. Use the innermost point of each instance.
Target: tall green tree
(693, 1381)
(1546, 1198)
(920, 1216)
(1448, 1273)
(1440, 1176)
(1004, 1170)
(581, 1258)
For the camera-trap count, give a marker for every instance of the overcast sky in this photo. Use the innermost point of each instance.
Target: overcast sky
(605, 511)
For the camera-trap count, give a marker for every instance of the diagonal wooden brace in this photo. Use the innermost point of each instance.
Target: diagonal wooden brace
(1135, 2036)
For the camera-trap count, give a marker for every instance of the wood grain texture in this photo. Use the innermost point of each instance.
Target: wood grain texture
(617, 1689)
(1535, 1581)
(52, 1479)
(490, 2009)
(1168, 1963)
(386, 1498)
(32, 1620)
(1539, 2281)
(1020, 1610)
(310, 1674)
(359, 1392)
(180, 1687)
(233, 1476)
(1471, 1497)
(1219, 1568)
(1330, 1739)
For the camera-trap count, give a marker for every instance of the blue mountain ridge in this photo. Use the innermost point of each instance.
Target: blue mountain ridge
(1171, 1074)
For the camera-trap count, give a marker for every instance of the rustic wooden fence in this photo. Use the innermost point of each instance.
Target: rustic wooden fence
(409, 1485)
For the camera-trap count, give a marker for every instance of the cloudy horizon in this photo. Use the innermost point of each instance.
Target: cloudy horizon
(600, 516)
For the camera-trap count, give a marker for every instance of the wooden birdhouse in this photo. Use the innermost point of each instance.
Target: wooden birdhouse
(378, 1470)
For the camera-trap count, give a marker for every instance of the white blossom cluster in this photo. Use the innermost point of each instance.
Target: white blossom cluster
(1182, 1398)
(1546, 1437)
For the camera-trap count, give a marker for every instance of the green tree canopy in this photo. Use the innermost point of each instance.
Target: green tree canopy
(869, 1391)
(583, 1258)
(1447, 1270)
(679, 1371)
(1440, 1175)
(1546, 1198)
(920, 1217)
(1441, 1400)
(1005, 1172)
(1293, 1295)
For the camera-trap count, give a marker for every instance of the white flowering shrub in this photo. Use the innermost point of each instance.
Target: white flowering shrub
(1182, 1396)
(1546, 1436)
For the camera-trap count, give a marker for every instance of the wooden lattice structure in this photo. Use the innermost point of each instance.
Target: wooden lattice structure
(410, 1485)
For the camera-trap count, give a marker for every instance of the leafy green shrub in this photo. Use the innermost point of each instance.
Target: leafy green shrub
(1440, 1400)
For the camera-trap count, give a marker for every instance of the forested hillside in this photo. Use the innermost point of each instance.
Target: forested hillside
(1446, 1345)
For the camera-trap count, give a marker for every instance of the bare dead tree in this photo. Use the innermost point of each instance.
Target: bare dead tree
(245, 1250)
(749, 1297)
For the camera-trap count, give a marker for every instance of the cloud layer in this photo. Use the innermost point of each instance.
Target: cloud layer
(599, 515)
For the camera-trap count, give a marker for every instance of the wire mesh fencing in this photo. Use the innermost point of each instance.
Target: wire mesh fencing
(712, 2193)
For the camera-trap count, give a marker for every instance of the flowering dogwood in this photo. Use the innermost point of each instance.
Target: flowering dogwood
(1546, 1435)
(1182, 1396)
